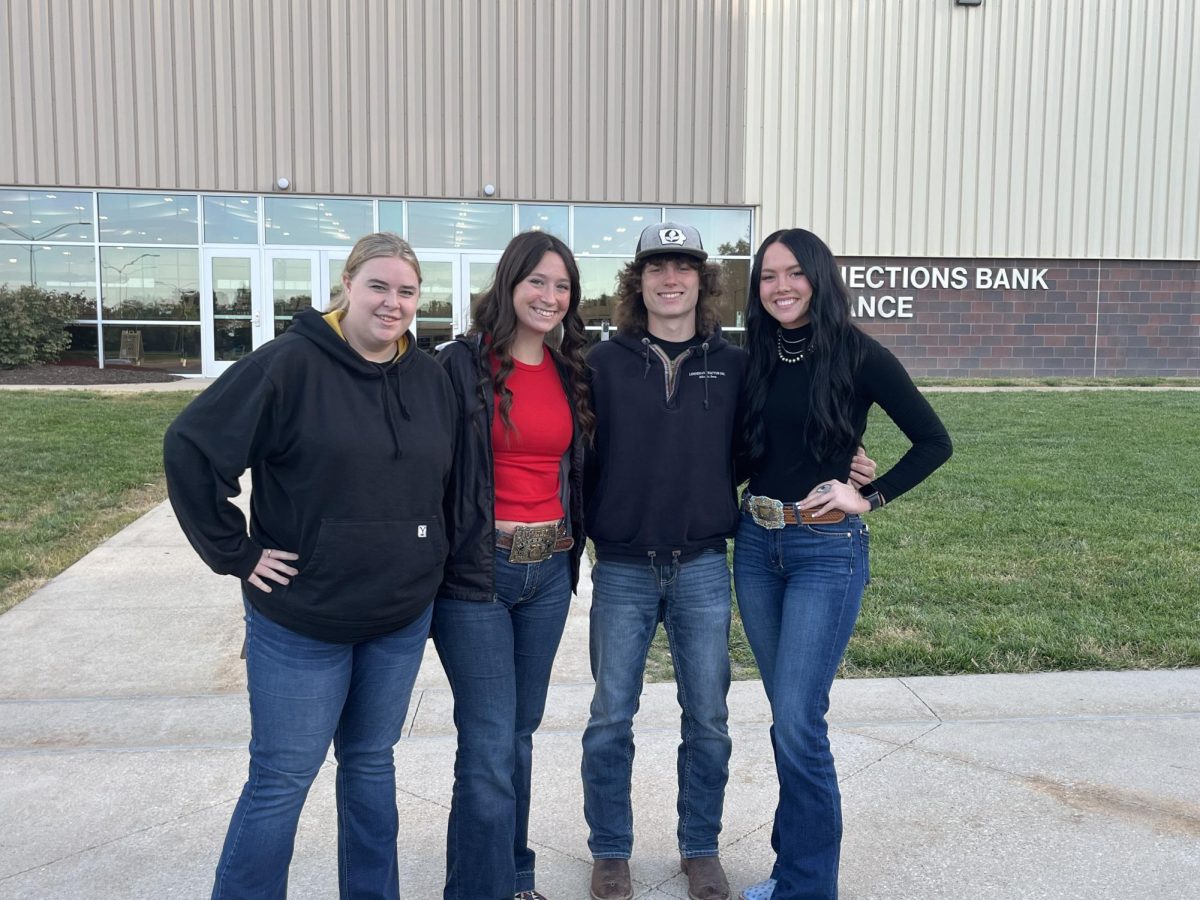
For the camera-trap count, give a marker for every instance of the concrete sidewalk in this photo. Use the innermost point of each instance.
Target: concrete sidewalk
(123, 727)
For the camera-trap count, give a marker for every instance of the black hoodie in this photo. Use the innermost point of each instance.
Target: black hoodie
(349, 460)
(660, 483)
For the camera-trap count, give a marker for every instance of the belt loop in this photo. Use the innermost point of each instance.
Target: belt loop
(652, 555)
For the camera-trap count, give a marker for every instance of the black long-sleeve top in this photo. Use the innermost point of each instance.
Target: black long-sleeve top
(789, 470)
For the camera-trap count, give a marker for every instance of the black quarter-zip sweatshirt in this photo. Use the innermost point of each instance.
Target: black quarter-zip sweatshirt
(660, 479)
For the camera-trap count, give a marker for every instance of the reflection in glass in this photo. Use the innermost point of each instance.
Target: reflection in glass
(391, 216)
(336, 267)
(725, 232)
(611, 229)
(599, 281)
(460, 226)
(232, 290)
(84, 348)
(169, 348)
(732, 302)
(70, 269)
(480, 275)
(316, 220)
(149, 218)
(231, 220)
(551, 219)
(45, 216)
(137, 283)
(435, 312)
(291, 290)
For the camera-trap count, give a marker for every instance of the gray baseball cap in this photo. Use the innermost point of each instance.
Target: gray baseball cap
(669, 237)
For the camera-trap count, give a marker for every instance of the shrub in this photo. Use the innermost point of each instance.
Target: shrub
(33, 324)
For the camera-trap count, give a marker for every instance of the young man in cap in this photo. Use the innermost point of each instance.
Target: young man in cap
(660, 505)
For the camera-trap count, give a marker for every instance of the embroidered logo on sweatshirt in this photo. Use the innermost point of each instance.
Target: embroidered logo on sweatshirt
(422, 530)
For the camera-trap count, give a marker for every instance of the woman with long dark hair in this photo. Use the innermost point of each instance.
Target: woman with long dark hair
(516, 536)
(800, 558)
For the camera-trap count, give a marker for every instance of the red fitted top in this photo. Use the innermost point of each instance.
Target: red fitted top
(527, 459)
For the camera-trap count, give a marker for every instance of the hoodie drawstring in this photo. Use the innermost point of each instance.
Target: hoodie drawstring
(386, 396)
(646, 356)
(704, 346)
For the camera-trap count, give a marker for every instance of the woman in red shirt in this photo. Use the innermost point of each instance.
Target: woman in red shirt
(516, 534)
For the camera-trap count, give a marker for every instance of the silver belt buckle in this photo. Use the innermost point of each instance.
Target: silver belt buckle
(533, 543)
(766, 512)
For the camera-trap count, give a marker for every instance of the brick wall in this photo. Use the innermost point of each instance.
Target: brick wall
(1065, 317)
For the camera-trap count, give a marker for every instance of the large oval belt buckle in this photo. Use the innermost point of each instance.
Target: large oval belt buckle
(767, 512)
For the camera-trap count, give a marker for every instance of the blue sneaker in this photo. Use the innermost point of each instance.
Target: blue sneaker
(761, 891)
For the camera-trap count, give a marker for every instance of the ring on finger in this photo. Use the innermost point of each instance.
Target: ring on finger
(268, 554)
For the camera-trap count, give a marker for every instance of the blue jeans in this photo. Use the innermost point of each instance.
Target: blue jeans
(305, 693)
(628, 601)
(799, 589)
(498, 657)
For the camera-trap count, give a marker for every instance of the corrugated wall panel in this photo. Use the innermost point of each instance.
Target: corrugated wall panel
(613, 100)
(1017, 128)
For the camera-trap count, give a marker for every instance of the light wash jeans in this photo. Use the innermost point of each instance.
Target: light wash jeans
(304, 694)
(628, 601)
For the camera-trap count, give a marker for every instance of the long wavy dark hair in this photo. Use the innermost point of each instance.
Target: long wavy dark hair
(836, 350)
(492, 314)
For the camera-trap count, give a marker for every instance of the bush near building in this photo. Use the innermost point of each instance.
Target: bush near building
(33, 324)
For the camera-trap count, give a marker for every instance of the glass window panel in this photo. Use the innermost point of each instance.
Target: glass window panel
(336, 267)
(231, 220)
(291, 289)
(52, 267)
(84, 349)
(316, 220)
(551, 219)
(460, 226)
(599, 280)
(148, 218)
(391, 216)
(45, 216)
(611, 229)
(725, 232)
(169, 348)
(732, 302)
(137, 283)
(233, 293)
(435, 313)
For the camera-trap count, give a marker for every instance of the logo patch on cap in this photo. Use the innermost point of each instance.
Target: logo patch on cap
(672, 236)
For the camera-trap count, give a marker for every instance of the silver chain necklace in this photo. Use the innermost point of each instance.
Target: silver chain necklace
(788, 355)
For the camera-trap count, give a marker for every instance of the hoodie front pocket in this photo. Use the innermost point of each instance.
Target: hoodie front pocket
(363, 571)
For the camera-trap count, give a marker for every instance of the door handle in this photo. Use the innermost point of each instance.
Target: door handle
(256, 319)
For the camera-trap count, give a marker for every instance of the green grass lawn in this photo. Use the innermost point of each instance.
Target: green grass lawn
(78, 468)
(1062, 535)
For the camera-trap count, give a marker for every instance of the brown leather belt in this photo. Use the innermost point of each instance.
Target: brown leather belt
(535, 543)
(771, 513)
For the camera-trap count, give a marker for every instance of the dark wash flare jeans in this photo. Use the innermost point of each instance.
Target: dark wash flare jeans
(498, 656)
(799, 589)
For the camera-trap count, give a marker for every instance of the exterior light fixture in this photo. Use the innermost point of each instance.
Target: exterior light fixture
(489, 190)
(283, 183)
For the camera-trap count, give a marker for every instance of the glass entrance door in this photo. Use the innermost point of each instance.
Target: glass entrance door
(251, 296)
(230, 308)
(450, 284)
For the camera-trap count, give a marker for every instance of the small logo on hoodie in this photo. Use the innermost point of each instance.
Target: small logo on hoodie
(422, 530)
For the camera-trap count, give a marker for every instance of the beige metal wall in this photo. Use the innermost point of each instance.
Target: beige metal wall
(1023, 128)
(599, 100)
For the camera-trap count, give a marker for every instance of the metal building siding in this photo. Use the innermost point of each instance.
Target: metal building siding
(1018, 128)
(600, 100)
